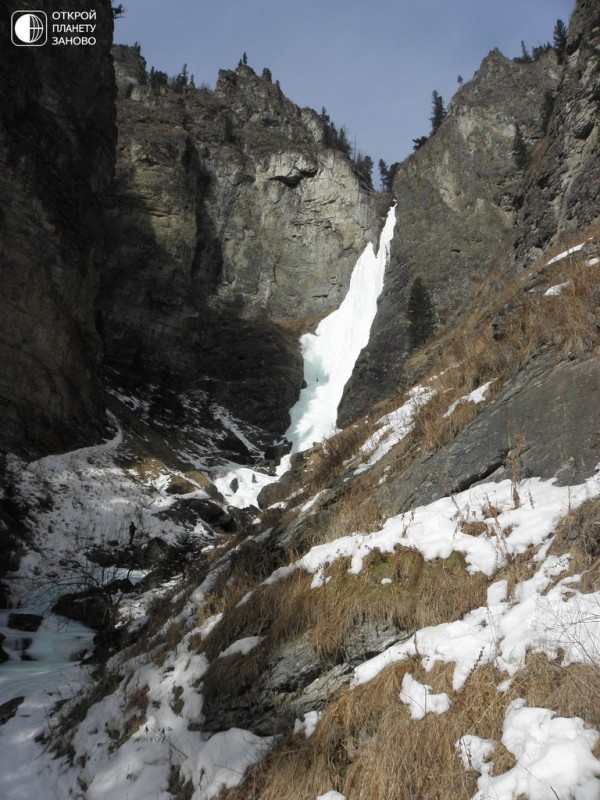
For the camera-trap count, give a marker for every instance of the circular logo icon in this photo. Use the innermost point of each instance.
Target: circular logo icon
(29, 28)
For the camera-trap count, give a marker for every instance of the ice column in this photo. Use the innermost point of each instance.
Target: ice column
(331, 352)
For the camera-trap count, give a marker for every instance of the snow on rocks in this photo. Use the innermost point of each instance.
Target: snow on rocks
(545, 614)
(129, 740)
(566, 254)
(240, 486)
(436, 531)
(476, 396)
(223, 761)
(554, 291)
(242, 646)
(332, 795)
(394, 427)
(308, 724)
(82, 499)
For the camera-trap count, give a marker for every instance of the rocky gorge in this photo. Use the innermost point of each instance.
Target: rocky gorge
(162, 250)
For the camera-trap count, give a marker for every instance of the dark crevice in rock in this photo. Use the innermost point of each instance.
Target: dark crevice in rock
(471, 480)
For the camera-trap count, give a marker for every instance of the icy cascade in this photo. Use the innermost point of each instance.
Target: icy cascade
(331, 352)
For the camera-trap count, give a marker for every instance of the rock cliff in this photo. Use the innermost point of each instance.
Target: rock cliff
(57, 139)
(562, 188)
(232, 226)
(455, 209)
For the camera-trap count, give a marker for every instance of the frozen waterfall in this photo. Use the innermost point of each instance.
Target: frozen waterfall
(331, 352)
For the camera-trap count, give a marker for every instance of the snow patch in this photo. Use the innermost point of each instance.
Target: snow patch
(566, 254)
(242, 646)
(308, 724)
(394, 427)
(476, 396)
(420, 700)
(554, 291)
(554, 757)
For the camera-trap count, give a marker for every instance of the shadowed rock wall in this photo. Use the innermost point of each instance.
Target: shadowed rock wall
(233, 227)
(57, 139)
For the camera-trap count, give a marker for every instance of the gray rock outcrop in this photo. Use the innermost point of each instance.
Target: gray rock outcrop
(295, 680)
(544, 423)
(562, 191)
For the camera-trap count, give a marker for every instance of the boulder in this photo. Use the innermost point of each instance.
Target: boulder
(24, 622)
(9, 709)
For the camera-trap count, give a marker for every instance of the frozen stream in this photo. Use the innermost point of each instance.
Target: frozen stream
(331, 352)
(329, 357)
(56, 644)
(41, 684)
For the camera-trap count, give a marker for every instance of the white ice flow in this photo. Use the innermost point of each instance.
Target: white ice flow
(331, 352)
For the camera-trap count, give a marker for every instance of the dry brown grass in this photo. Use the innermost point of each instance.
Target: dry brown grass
(571, 691)
(509, 324)
(578, 533)
(475, 353)
(367, 747)
(421, 594)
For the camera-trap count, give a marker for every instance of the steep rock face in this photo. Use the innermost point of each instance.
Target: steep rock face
(57, 139)
(232, 224)
(455, 207)
(543, 424)
(562, 191)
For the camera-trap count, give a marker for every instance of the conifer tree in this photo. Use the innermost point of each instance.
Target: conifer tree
(419, 142)
(343, 143)
(421, 314)
(439, 112)
(519, 149)
(364, 165)
(525, 54)
(560, 40)
(391, 174)
(384, 175)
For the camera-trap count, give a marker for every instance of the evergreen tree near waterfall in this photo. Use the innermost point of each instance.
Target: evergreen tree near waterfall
(386, 174)
(421, 315)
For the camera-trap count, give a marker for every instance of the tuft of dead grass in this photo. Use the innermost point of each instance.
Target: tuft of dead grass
(570, 691)
(578, 533)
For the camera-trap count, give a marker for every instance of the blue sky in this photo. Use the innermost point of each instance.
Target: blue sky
(372, 63)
